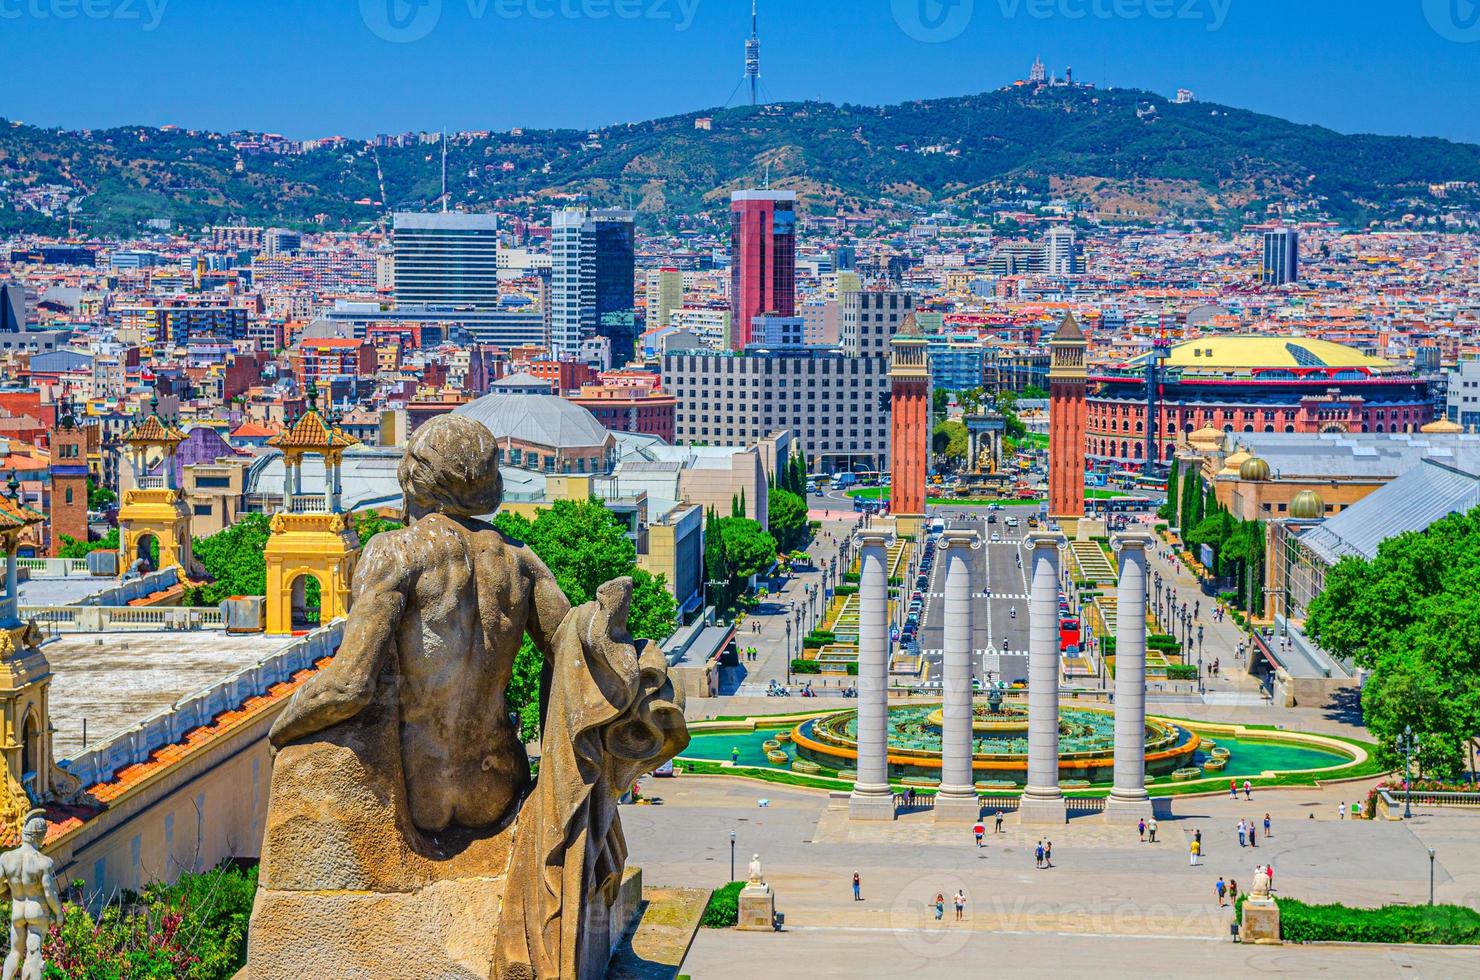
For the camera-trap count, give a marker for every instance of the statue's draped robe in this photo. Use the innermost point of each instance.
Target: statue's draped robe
(612, 715)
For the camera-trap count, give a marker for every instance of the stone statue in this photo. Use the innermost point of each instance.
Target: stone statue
(1260, 891)
(984, 460)
(756, 878)
(403, 813)
(28, 879)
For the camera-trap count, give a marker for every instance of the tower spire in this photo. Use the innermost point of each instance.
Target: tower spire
(753, 56)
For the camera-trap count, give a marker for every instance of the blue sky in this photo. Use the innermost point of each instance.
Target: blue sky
(358, 67)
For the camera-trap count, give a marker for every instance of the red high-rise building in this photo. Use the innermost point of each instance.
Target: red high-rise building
(909, 412)
(763, 241)
(1066, 420)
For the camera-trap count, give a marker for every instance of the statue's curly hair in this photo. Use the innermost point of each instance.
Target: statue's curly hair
(451, 467)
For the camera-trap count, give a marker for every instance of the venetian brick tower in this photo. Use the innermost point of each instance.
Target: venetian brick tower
(909, 411)
(68, 480)
(1066, 421)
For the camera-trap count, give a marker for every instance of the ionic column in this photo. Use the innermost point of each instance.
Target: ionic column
(872, 798)
(957, 798)
(1043, 800)
(1128, 798)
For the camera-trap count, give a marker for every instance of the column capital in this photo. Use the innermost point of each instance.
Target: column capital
(870, 538)
(1046, 539)
(959, 538)
(1133, 540)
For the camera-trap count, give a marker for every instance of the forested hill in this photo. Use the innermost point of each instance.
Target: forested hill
(1126, 154)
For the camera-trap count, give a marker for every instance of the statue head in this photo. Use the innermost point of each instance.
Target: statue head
(451, 467)
(33, 828)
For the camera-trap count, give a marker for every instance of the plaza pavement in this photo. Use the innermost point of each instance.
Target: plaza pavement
(1112, 904)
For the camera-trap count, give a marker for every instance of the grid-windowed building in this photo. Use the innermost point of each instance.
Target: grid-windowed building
(448, 260)
(832, 398)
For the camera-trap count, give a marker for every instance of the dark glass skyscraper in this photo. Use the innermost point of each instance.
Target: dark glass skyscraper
(1281, 257)
(616, 318)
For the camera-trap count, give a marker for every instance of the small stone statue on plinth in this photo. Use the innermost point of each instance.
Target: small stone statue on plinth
(1261, 919)
(757, 901)
(28, 879)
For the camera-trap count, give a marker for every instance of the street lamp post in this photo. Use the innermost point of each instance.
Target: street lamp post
(788, 657)
(1408, 744)
(1431, 876)
(732, 855)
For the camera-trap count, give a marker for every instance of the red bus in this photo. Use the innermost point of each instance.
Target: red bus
(1069, 633)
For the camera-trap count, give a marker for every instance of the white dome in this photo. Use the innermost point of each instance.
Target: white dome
(544, 420)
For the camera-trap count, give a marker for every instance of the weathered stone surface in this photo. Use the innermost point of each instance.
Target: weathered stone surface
(403, 836)
(757, 908)
(1261, 922)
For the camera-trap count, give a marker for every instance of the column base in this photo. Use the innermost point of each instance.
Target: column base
(1043, 810)
(957, 806)
(871, 804)
(1127, 810)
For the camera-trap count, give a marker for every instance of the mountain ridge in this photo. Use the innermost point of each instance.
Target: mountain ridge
(1124, 154)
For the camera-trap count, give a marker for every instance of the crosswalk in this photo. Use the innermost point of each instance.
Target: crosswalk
(978, 652)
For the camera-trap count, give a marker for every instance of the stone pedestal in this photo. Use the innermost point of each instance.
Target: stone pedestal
(1261, 922)
(1122, 811)
(1043, 800)
(757, 909)
(872, 798)
(957, 807)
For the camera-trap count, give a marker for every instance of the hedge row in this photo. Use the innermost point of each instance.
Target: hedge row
(1181, 672)
(723, 910)
(1448, 925)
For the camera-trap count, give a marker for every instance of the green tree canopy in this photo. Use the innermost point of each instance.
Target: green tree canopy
(749, 548)
(787, 515)
(1411, 617)
(949, 441)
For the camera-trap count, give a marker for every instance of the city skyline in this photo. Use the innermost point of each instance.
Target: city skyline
(467, 70)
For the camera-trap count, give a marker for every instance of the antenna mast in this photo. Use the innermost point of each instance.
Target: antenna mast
(753, 56)
(444, 171)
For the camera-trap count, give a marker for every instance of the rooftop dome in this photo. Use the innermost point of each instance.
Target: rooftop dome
(541, 419)
(1244, 352)
(1307, 506)
(1236, 459)
(1254, 469)
(1442, 427)
(1206, 438)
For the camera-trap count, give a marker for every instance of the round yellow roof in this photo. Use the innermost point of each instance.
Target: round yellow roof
(1442, 426)
(1232, 353)
(1307, 506)
(1235, 459)
(1253, 469)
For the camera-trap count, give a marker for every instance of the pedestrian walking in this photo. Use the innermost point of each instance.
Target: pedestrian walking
(1233, 892)
(1341, 810)
(1151, 829)
(734, 755)
(1266, 825)
(1197, 836)
(1253, 835)
(1038, 855)
(1248, 790)
(857, 884)
(1233, 788)
(998, 828)
(980, 832)
(1220, 889)
(1048, 854)
(960, 903)
(1141, 829)
(940, 906)
(1241, 832)
(1195, 849)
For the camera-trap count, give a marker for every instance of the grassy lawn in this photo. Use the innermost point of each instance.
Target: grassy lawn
(882, 493)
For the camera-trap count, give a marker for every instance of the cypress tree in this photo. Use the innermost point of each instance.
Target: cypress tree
(1169, 510)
